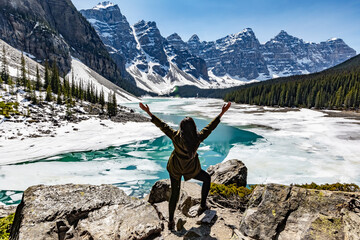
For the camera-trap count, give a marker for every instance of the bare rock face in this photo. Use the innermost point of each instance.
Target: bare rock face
(288, 55)
(83, 212)
(6, 210)
(55, 30)
(285, 212)
(229, 172)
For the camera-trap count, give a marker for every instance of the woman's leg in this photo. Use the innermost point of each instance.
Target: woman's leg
(205, 178)
(174, 198)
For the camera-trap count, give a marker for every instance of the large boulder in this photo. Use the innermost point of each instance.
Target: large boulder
(190, 196)
(287, 212)
(229, 172)
(83, 212)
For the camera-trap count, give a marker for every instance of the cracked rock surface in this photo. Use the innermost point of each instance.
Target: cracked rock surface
(83, 212)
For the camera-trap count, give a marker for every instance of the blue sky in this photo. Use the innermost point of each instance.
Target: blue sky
(311, 20)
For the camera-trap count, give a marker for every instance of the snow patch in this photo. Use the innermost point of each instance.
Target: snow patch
(84, 74)
(103, 5)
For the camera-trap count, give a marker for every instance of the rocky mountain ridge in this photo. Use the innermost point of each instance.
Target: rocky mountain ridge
(158, 64)
(155, 65)
(55, 30)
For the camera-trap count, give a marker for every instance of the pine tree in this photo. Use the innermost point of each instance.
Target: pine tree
(23, 71)
(110, 105)
(48, 94)
(59, 99)
(38, 79)
(73, 86)
(114, 104)
(102, 99)
(1, 82)
(81, 91)
(47, 75)
(55, 79)
(10, 83)
(4, 70)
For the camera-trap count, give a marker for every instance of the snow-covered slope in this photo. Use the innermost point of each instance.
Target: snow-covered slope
(88, 76)
(81, 72)
(13, 58)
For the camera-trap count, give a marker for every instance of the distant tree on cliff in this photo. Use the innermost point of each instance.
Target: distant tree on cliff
(47, 75)
(23, 81)
(38, 84)
(102, 99)
(112, 105)
(48, 94)
(55, 79)
(4, 70)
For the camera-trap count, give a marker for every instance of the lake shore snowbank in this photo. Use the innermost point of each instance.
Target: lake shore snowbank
(87, 135)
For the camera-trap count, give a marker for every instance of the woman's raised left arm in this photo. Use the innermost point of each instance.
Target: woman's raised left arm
(158, 122)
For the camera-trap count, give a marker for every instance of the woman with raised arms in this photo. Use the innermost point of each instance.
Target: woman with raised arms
(184, 160)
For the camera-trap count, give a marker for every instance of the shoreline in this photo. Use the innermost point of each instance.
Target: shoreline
(72, 137)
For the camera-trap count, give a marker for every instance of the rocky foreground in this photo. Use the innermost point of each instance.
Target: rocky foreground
(106, 212)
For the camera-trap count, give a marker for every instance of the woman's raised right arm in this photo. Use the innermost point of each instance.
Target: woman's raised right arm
(205, 132)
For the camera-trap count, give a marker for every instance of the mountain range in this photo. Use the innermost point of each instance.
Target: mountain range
(140, 60)
(158, 64)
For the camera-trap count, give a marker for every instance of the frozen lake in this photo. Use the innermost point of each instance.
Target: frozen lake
(276, 145)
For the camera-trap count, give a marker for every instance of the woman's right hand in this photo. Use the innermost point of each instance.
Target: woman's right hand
(145, 108)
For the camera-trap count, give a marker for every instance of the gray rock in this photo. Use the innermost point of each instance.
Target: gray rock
(229, 172)
(160, 191)
(193, 233)
(7, 210)
(207, 216)
(190, 195)
(193, 211)
(286, 212)
(83, 211)
(180, 224)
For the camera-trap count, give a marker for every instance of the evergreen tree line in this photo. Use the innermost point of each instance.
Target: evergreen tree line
(65, 92)
(337, 88)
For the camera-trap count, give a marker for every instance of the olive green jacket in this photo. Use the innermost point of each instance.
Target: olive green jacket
(179, 163)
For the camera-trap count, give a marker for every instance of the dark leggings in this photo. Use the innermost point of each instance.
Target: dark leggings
(175, 191)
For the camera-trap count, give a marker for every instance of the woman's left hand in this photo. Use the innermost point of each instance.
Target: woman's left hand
(145, 108)
(225, 108)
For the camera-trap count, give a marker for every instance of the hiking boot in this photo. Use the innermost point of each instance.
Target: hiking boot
(171, 225)
(202, 209)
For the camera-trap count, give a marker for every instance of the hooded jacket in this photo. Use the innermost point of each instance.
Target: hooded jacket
(179, 163)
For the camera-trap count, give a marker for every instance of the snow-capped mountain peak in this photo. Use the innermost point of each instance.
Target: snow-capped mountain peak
(247, 31)
(334, 40)
(104, 5)
(194, 38)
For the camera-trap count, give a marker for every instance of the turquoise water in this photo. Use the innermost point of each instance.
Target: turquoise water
(133, 167)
